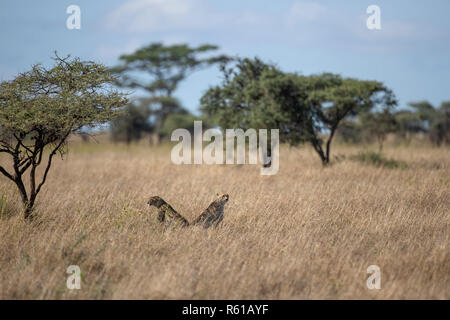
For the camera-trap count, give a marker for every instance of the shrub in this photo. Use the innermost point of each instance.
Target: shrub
(378, 160)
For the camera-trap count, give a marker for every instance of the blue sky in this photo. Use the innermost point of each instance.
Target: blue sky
(410, 54)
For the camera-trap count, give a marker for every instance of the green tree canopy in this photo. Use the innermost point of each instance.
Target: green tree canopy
(440, 126)
(377, 125)
(132, 123)
(304, 108)
(165, 66)
(333, 99)
(158, 69)
(178, 121)
(425, 119)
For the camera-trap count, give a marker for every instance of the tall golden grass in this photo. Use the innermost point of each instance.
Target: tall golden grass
(306, 233)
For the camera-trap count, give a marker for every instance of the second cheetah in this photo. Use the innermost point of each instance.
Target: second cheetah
(213, 215)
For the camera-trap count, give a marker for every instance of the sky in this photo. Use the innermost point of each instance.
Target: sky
(410, 54)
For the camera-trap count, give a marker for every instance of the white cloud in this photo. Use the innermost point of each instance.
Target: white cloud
(179, 16)
(158, 15)
(312, 23)
(306, 22)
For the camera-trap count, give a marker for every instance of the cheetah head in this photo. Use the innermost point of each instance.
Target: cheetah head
(223, 198)
(155, 201)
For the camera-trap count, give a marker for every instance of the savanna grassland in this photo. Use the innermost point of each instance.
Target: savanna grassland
(306, 233)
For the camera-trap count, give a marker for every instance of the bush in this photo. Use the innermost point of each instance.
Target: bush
(177, 121)
(378, 160)
(132, 124)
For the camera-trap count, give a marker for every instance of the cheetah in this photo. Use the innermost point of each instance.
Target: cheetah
(167, 214)
(213, 215)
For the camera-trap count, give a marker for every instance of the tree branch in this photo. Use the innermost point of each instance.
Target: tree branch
(26, 164)
(5, 150)
(49, 163)
(6, 173)
(23, 145)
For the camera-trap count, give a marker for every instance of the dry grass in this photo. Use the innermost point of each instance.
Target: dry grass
(308, 232)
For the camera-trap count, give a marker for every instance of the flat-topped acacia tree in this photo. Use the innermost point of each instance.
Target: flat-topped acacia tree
(158, 70)
(40, 108)
(257, 95)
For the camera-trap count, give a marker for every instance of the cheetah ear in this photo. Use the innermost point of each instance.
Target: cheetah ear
(217, 194)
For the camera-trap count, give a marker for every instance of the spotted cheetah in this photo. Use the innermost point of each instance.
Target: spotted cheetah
(167, 214)
(213, 215)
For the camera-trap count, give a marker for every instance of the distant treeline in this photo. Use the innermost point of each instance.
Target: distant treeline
(421, 118)
(255, 94)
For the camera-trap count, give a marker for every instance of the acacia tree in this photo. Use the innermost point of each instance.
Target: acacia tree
(243, 100)
(440, 127)
(423, 118)
(304, 108)
(132, 124)
(377, 125)
(332, 99)
(40, 108)
(158, 70)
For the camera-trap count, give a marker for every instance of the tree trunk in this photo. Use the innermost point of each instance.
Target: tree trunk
(380, 144)
(23, 192)
(327, 156)
(318, 148)
(28, 205)
(27, 214)
(28, 211)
